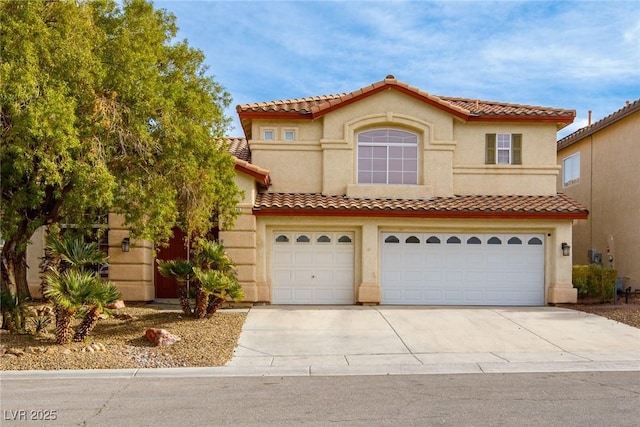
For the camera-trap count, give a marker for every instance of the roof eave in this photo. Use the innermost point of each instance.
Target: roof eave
(418, 214)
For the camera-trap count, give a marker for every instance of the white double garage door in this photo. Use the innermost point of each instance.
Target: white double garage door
(415, 268)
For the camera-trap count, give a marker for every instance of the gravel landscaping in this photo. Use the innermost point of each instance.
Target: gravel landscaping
(119, 341)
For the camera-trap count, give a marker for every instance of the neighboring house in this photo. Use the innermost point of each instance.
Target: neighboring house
(392, 195)
(600, 170)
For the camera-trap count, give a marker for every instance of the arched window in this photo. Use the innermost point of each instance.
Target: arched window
(392, 239)
(324, 239)
(387, 156)
(303, 239)
(494, 241)
(453, 239)
(344, 239)
(514, 241)
(535, 241)
(474, 241)
(412, 239)
(282, 239)
(433, 240)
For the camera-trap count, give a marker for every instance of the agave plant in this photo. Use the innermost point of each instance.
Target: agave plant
(73, 292)
(75, 252)
(180, 270)
(14, 311)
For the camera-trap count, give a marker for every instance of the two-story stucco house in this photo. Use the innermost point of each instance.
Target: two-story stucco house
(392, 195)
(600, 170)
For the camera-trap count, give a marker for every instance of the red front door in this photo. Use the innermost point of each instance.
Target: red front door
(177, 249)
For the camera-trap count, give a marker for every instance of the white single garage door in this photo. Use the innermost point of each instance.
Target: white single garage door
(462, 269)
(312, 268)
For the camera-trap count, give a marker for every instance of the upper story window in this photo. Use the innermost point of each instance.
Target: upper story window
(387, 156)
(289, 135)
(268, 134)
(571, 170)
(503, 149)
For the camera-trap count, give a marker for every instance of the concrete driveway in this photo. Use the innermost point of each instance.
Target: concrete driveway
(285, 340)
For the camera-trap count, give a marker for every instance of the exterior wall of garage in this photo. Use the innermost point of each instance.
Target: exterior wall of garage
(367, 232)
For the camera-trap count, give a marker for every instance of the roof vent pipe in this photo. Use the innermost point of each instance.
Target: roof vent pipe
(589, 118)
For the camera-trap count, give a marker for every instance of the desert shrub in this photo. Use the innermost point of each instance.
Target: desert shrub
(594, 281)
(580, 279)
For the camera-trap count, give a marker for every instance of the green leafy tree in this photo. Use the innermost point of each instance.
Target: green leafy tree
(101, 109)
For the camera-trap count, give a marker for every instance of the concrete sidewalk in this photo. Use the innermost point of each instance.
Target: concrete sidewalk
(362, 340)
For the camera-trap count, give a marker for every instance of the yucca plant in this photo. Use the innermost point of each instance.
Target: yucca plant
(180, 270)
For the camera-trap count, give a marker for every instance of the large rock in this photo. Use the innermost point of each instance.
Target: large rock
(161, 337)
(116, 305)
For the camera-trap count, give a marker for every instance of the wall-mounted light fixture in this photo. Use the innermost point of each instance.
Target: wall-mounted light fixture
(126, 243)
(566, 249)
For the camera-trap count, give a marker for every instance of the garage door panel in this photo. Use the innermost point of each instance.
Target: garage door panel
(471, 269)
(312, 268)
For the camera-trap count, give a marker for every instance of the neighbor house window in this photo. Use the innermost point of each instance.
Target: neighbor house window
(268, 134)
(571, 170)
(289, 135)
(503, 149)
(387, 156)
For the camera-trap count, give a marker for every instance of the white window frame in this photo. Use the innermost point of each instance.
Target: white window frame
(571, 170)
(387, 145)
(268, 131)
(287, 131)
(505, 140)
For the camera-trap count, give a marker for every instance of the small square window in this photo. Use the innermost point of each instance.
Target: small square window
(268, 135)
(289, 135)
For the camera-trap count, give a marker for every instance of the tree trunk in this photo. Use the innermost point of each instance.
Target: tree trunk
(13, 275)
(87, 324)
(183, 296)
(201, 303)
(64, 332)
(214, 304)
(14, 270)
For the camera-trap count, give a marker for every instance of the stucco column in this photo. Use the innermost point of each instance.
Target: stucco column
(561, 288)
(132, 272)
(369, 289)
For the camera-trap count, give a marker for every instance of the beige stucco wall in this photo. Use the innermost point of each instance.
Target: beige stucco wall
(451, 156)
(241, 243)
(35, 252)
(132, 272)
(610, 188)
(367, 232)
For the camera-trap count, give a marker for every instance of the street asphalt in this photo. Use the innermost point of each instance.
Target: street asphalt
(390, 340)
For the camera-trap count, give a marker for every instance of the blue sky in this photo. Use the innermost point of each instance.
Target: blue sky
(582, 55)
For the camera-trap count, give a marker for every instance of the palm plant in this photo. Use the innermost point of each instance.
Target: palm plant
(212, 274)
(99, 295)
(67, 291)
(215, 278)
(14, 311)
(73, 292)
(180, 270)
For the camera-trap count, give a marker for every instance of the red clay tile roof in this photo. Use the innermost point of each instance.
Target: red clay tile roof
(581, 133)
(463, 108)
(557, 206)
(239, 148)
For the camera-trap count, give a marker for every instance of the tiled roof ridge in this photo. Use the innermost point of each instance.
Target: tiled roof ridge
(466, 106)
(583, 132)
